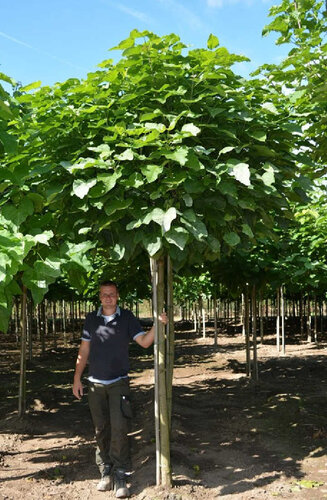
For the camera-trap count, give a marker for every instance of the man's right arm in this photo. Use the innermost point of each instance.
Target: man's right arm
(83, 355)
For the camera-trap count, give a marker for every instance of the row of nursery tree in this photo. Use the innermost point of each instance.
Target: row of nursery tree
(171, 157)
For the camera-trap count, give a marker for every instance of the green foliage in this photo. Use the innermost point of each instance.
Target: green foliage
(302, 75)
(162, 152)
(8, 111)
(158, 133)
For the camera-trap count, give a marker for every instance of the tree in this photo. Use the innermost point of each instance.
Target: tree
(162, 154)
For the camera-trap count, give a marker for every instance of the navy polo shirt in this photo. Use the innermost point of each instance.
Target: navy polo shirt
(108, 358)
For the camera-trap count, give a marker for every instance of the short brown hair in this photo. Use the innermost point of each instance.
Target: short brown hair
(109, 283)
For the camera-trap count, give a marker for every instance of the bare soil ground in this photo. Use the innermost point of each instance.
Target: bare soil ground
(231, 438)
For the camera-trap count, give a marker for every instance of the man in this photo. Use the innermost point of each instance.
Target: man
(105, 339)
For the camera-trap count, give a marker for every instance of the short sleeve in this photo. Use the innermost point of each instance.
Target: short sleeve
(86, 334)
(134, 327)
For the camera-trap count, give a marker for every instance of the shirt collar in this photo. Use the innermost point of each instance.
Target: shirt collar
(117, 312)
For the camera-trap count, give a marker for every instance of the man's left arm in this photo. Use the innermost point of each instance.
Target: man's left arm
(147, 338)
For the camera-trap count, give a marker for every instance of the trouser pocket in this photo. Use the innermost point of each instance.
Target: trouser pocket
(125, 406)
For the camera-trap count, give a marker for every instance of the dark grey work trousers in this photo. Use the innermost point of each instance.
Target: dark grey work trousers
(111, 413)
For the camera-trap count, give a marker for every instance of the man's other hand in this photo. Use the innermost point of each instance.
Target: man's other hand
(78, 389)
(163, 318)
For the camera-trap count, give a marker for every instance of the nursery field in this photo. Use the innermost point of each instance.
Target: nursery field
(231, 438)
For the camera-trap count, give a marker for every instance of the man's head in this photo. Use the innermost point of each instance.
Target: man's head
(108, 294)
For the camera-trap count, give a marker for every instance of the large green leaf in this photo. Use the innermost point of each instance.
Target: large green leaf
(180, 155)
(151, 172)
(82, 187)
(268, 177)
(168, 218)
(31, 86)
(212, 42)
(231, 238)
(241, 171)
(152, 244)
(177, 236)
(109, 180)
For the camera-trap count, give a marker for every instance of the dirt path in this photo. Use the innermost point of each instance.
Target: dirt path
(231, 439)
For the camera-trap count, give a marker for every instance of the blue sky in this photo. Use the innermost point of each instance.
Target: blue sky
(57, 39)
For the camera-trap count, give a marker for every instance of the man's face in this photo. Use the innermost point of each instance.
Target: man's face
(108, 296)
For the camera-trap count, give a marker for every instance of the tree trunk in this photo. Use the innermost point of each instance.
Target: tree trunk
(301, 316)
(255, 372)
(29, 326)
(316, 319)
(22, 373)
(163, 472)
(195, 318)
(215, 322)
(247, 331)
(243, 315)
(170, 340)
(64, 323)
(278, 320)
(46, 322)
(72, 305)
(54, 324)
(38, 322)
(309, 331)
(203, 319)
(17, 327)
(283, 318)
(261, 316)
(42, 325)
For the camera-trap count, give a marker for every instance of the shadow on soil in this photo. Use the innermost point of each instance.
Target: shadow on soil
(248, 434)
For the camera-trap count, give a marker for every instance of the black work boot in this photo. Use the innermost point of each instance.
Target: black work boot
(105, 483)
(120, 487)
